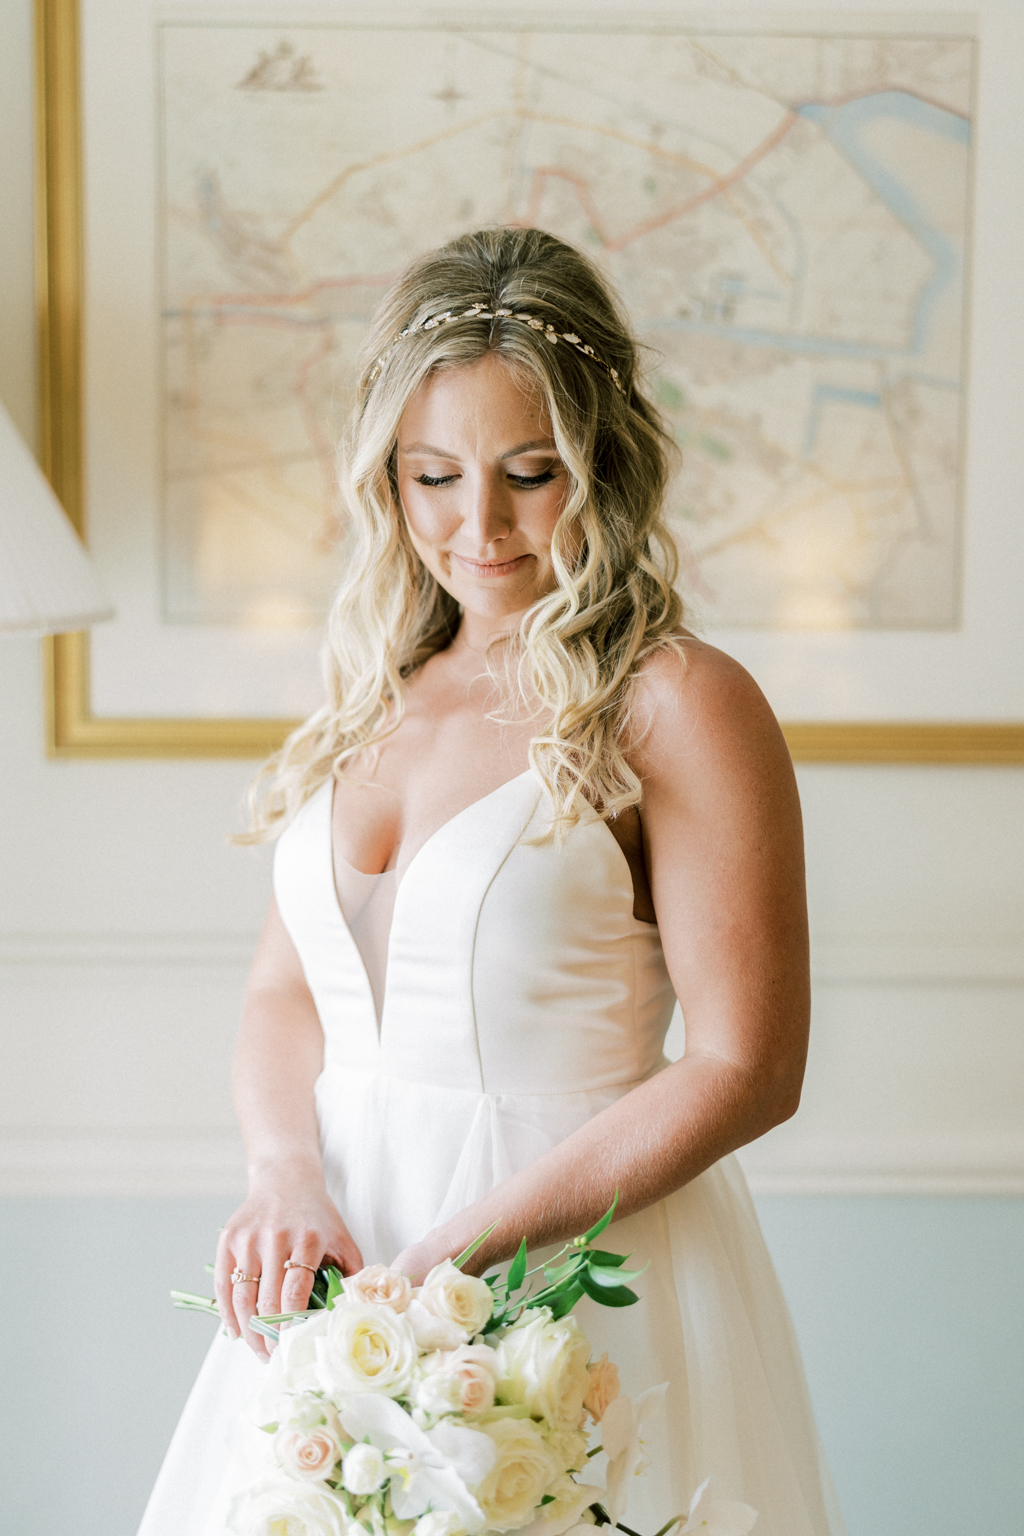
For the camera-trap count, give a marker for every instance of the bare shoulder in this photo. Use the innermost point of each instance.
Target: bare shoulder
(699, 712)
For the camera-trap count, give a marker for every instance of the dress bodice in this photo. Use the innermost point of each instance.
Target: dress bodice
(515, 966)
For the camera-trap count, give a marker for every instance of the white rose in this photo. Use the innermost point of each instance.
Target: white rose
(379, 1286)
(461, 1299)
(363, 1470)
(458, 1380)
(432, 1332)
(512, 1490)
(569, 1446)
(306, 1411)
(310, 1457)
(439, 1522)
(292, 1369)
(543, 1365)
(280, 1504)
(568, 1501)
(366, 1349)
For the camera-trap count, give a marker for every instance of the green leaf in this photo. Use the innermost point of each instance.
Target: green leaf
(559, 1271)
(566, 1301)
(467, 1253)
(599, 1226)
(609, 1260)
(189, 1303)
(284, 1317)
(261, 1325)
(211, 1269)
(270, 1429)
(548, 1498)
(612, 1277)
(517, 1269)
(619, 1296)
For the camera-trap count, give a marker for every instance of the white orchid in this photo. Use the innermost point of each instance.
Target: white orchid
(620, 1437)
(430, 1469)
(717, 1517)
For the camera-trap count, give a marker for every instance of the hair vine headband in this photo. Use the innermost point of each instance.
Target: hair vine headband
(481, 312)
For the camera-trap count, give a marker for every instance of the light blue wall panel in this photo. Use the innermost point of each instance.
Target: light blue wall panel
(909, 1311)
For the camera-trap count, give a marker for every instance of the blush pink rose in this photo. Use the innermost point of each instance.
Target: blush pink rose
(460, 1380)
(308, 1457)
(379, 1286)
(603, 1389)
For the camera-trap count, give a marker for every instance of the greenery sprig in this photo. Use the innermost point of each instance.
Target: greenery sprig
(577, 1270)
(587, 1271)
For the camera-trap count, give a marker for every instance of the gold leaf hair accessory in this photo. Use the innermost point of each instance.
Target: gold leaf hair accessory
(481, 312)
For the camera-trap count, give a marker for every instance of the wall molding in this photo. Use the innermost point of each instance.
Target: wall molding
(135, 1161)
(959, 1164)
(121, 1164)
(83, 1163)
(934, 959)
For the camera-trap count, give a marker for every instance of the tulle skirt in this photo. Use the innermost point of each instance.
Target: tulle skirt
(712, 1322)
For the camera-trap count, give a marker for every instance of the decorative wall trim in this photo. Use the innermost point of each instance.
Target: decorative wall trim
(857, 960)
(959, 1164)
(116, 950)
(126, 1160)
(82, 1163)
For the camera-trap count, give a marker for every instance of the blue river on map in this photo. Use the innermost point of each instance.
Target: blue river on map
(843, 125)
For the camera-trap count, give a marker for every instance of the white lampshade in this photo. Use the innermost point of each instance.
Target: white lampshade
(47, 581)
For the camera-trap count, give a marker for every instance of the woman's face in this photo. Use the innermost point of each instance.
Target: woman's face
(482, 487)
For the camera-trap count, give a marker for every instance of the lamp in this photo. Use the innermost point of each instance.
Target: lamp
(47, 581)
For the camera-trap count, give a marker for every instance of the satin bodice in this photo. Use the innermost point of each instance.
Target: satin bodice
(515, 966)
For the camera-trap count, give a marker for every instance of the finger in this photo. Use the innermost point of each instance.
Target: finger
(225, 1263)
(306, 1254)
(346, 1256)
(269, 1302)
(244, 1290)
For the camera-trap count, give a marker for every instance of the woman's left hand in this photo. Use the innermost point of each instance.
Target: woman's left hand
(418, 1259)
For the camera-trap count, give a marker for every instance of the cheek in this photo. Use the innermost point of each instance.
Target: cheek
(428, 519)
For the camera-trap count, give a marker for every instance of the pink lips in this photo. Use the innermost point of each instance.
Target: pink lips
(490, 568)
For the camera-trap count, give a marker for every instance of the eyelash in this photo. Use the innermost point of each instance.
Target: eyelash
(524, 482)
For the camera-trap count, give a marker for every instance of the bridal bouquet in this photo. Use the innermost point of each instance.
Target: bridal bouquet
(456, 1407)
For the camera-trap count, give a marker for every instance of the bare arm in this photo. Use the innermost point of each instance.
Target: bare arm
(288, 1212)
(724, 852)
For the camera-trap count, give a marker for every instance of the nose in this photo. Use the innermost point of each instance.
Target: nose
(488, 514)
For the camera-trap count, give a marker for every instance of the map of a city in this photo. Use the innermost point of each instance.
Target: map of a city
(785, 217)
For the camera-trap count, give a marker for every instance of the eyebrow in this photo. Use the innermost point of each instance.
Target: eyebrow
(443, 453)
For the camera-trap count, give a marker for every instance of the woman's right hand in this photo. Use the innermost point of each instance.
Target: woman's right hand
(285, 1217)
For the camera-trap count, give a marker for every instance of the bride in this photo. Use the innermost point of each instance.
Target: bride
(534, 811)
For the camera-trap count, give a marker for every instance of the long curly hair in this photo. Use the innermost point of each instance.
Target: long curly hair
(577, 651)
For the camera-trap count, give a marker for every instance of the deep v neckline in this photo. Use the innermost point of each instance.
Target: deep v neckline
(403, 871)
(421, 851)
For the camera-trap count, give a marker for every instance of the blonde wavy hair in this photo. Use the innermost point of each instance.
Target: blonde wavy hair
(575, 658)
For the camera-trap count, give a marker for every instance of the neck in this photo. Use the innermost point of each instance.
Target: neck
(476, 634)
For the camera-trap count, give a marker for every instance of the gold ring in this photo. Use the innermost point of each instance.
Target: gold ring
(298, 1264)
(238, 1277)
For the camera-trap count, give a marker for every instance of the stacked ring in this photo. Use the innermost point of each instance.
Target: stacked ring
(238, 1277)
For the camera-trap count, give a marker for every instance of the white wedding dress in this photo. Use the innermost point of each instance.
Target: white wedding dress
(521, 998)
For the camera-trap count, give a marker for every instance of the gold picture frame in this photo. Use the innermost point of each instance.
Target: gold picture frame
(73, 730)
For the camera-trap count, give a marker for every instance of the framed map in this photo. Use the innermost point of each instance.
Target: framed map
(785, 211)
(785, 217)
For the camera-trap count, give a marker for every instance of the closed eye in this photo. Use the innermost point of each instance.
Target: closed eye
(528, 481)
(525, 482)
